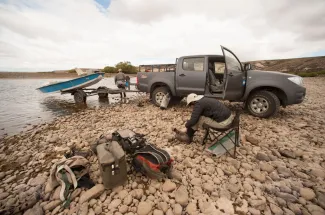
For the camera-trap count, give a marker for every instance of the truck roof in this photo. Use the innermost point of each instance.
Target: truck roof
(206, 55)
(187, 56)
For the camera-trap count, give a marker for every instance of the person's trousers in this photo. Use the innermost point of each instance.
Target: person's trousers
(214, 124)
(210, 122)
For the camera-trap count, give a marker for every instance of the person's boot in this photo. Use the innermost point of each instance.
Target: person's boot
(182, 136)
(190, 133)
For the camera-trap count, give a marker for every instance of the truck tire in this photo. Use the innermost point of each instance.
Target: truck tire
(158, 94)
(263, 104)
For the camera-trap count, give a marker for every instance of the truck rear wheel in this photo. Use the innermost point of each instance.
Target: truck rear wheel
(263, 104)
(158, 95)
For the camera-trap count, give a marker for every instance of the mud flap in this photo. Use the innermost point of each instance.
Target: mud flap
(165, 101)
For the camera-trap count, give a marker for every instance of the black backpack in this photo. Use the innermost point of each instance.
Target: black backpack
(129, 140)
(146, 158)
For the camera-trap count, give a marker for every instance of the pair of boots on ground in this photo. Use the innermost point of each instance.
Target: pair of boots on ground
(186, 137)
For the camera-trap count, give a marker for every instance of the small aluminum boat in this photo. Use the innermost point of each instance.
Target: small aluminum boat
(72, 85)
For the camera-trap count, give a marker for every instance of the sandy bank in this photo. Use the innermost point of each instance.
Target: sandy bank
(280, 168)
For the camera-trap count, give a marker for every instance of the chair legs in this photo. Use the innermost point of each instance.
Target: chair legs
(208, 135)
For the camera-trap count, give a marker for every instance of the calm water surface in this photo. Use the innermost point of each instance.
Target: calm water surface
(22, 106)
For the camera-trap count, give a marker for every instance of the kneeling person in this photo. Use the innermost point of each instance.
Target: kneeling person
(206, 111)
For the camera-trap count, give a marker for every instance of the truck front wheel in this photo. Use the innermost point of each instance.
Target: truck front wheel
(158, 94)
(263, 104)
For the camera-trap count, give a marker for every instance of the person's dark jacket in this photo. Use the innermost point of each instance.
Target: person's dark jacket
(119, 77)
(208, 107)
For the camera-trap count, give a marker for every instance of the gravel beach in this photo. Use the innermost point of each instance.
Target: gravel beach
(280, 167)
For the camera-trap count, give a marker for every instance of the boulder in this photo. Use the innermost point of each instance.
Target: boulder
(36, 210)
(50, 206)
(114, 204)
(262, 157)
(181, 196)
(83, 210)
(196, 181)
(288, 154)
(177, 209)
(144, 208)
(252, 140)
(168, 186)
(209, 160)
(191, 209)
(39, 180)
(318, 173)
(94, 192)
(257, 175)
(226, 205)
(276, 210)
(307, 193)
(266, 167)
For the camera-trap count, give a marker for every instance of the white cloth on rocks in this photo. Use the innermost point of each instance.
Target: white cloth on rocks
(73, 176)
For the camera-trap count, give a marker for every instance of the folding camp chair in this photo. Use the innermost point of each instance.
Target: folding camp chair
(216, 134)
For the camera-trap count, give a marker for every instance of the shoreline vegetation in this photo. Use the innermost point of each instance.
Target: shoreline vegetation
(46, 75)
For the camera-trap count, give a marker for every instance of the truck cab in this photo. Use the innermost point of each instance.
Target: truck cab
(220, 76)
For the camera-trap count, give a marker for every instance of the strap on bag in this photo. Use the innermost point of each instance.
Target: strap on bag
(67, 195)
(63, 184)
(116, 159)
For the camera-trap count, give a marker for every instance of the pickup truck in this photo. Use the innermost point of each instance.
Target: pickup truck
(222, 77)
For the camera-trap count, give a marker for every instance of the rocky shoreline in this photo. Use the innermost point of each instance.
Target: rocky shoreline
(280, 168)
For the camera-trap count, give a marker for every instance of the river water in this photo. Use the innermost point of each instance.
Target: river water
(22, 106)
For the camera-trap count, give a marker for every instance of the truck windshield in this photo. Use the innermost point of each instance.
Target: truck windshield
(231, 62)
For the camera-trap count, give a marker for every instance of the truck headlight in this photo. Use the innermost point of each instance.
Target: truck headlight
(297, 80)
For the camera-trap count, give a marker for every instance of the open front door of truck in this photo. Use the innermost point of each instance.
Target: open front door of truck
(235, 78)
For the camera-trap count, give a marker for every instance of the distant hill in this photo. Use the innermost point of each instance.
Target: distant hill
(294, 65)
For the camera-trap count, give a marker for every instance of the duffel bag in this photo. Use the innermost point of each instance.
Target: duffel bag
(153, 162)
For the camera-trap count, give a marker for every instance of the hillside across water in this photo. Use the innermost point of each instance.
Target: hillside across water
(293, 65)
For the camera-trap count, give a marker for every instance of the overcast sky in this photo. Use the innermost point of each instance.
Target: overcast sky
(43, 35)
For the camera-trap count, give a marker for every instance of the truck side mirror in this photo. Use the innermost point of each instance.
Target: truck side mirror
(247, 66)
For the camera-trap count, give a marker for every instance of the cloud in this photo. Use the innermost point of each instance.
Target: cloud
(60, 34)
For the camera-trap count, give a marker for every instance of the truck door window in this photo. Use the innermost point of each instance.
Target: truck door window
(232, 62)
(219, 68)
(193, 64)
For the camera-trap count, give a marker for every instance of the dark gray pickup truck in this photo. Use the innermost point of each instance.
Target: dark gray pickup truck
(223, 77)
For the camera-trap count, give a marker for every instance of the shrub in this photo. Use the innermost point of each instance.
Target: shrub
(307, 74)
(72, 71)
(126, 67)
(109, 69)
(310, 74)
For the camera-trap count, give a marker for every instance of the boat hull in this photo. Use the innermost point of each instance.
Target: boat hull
(72, 85)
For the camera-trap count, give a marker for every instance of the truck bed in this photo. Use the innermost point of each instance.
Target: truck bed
(148, 80)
